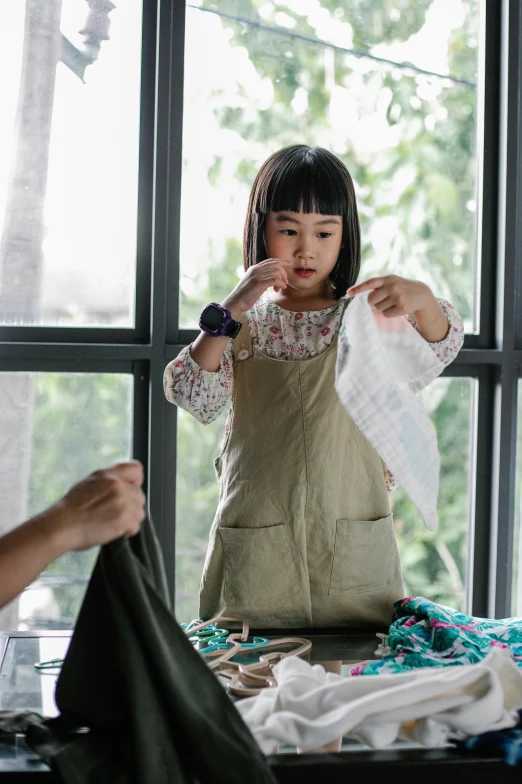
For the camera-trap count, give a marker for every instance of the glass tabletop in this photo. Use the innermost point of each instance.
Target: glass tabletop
(22, 685)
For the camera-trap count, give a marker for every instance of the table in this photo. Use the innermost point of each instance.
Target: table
(22, 686)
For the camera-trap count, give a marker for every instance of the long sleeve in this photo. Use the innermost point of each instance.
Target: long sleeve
(202, 393)
(447, 349)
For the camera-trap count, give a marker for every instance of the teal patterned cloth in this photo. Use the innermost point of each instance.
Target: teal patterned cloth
(426, 634)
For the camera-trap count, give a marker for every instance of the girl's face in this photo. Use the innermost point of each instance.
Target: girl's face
(311, 241)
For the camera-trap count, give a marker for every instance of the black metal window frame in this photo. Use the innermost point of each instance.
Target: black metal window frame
(493, 356)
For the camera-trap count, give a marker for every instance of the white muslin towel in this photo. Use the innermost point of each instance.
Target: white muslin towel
(431, 706)
(381, 363)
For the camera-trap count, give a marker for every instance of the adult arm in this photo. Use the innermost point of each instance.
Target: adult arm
(107, 504)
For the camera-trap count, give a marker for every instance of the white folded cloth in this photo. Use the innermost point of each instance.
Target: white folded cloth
(432, 706)
(381, 363)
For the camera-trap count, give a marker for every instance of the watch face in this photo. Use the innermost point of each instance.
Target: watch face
(213, 318)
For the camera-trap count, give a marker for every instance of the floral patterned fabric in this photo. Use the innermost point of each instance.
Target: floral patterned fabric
(281, 334)
(426, 634)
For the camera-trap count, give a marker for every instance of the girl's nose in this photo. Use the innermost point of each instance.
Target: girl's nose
(304, 251)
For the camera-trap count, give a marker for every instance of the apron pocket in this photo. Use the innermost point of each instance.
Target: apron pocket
(260, 571)
(365, 556)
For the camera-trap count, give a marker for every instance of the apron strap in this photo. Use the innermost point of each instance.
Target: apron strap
(341, 325)
(242, 345)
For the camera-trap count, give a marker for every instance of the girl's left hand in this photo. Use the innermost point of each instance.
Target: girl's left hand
(394, 296)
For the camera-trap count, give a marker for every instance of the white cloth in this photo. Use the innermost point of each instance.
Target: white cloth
(432, 706)
(381, 363)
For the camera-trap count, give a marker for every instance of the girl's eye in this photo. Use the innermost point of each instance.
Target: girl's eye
(289, 232)
(324, 234)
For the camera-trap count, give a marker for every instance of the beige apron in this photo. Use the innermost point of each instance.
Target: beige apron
(303, 535)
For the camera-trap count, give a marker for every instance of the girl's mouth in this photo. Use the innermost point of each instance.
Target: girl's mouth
(304, 272)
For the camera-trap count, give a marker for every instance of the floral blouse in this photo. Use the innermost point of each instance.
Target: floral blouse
(281, 334)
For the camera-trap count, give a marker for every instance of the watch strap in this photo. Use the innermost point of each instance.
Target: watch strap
(230, 328)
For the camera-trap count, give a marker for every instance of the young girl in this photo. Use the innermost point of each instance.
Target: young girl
(303, 535)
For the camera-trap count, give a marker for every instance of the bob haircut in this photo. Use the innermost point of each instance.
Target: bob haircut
(310, 179)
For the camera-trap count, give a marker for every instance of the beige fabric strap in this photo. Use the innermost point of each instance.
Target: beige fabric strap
(242, 345)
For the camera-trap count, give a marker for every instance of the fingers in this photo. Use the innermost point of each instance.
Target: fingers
(284, 262)
(388, 307)
(277, 281)
(272, 272)
(275, 270)
(123, 509)
(377, 297)
(256, 280)
(372, 283)
(388, 297)
(383, 304)
(280, 279)
(389, 294)
(104, 506)
(119, 512)
(130, 471)
(103, 485)
(393, 312)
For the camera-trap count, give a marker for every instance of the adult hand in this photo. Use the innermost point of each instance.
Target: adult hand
(394, 296)
(256, 280)
(107, 504)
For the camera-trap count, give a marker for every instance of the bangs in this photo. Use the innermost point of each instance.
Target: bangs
(306, 179)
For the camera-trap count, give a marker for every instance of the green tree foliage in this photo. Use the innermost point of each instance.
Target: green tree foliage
(419, 181)
(435, 562)
(517, 575)
(81, 423)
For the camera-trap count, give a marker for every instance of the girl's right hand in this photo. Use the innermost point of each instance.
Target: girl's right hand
(254, 283)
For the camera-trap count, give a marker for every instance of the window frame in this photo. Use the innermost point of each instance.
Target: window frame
(493, 356)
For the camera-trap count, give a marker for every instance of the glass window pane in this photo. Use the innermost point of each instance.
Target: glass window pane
(70, 98)
(434, 563)
(196, 503)
(57, 428)
(332, 74)
(517, 541)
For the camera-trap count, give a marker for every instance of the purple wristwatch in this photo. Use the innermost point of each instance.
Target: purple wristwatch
(216, 320)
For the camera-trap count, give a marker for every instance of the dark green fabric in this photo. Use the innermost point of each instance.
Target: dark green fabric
(78, 758)
(156, 713)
